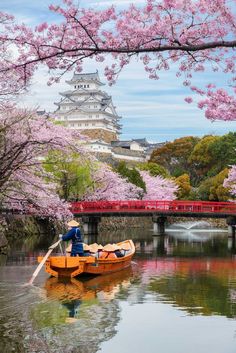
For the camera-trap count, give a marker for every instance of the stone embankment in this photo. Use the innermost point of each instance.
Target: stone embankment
(13, 227)
(114, 223)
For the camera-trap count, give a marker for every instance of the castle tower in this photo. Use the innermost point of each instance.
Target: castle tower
(89, 109)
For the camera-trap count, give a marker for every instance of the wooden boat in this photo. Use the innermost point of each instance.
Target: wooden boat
(67, 266)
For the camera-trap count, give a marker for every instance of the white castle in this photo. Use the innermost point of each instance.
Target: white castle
(90, 110)
(87, 108)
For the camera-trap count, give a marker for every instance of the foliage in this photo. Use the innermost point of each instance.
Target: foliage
(223, 149)
(108, 185)
(154, 169)
(174, 155)
(131, 174)
(212, 154)
(25, 140)
(202, 157)
(193, 36)
(213, 188)
(72, 173)
(183, 182)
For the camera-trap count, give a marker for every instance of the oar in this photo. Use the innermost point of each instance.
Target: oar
(36, 272)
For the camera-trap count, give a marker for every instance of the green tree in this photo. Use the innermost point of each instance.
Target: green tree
(132, 174)
(203, 157)
(174, 155)
(183, 182)
(212, 188)
(154, 169)
(224, 151)
(71, 173)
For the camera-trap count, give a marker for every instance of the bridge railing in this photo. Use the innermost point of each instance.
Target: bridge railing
(141, 206)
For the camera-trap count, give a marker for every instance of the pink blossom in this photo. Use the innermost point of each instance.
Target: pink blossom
(27, 140)
(195, 35)
(158, 188)
(108, 185)
(188, 99)
(230, 182)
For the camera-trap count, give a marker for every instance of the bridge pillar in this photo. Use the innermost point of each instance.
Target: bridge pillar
(231, 231)
(231, 221)
(159, 224)
(90, 224)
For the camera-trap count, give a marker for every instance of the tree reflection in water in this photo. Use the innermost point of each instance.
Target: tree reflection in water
(198, 286)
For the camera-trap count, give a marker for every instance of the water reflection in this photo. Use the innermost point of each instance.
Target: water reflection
(73, 293)
(89, 306)
(169, 276)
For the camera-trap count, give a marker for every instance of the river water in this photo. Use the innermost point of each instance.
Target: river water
(179, 296)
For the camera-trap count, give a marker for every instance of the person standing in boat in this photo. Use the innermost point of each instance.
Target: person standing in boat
(74, 235)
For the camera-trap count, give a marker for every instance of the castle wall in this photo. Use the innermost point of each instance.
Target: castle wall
(98, 134)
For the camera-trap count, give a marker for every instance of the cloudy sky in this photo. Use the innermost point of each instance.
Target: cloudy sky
(152, 109)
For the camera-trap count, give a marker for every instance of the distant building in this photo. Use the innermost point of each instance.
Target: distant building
(139, 149)
(136, 150)
(89, 109)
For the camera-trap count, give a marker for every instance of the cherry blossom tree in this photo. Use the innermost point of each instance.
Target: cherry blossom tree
(191, 35)
(230, 182)
(108, 185)
(13, 81)
(158, 188)
(25, 140)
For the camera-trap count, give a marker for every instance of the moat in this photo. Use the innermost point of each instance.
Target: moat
(178, 296)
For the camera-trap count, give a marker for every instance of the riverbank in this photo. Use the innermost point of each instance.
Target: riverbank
(14, 227)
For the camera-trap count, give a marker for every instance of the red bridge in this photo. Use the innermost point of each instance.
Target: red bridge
(92, 211)
(195, 208)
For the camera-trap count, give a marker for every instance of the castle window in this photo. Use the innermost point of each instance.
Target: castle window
(87, 86)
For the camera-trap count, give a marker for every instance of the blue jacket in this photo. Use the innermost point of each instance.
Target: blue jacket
(74, 235)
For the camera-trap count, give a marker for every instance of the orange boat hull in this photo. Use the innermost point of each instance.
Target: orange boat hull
(66, 266)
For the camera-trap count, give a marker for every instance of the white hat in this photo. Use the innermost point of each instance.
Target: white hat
(110, 247)
(73, 224)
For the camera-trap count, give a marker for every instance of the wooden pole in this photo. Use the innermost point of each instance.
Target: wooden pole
(36, 272)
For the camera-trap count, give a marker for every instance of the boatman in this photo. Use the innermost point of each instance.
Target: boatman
(74, 235)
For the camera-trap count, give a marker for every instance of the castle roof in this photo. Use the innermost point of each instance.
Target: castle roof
(83, 91)
(88, 77)
(126, 144)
